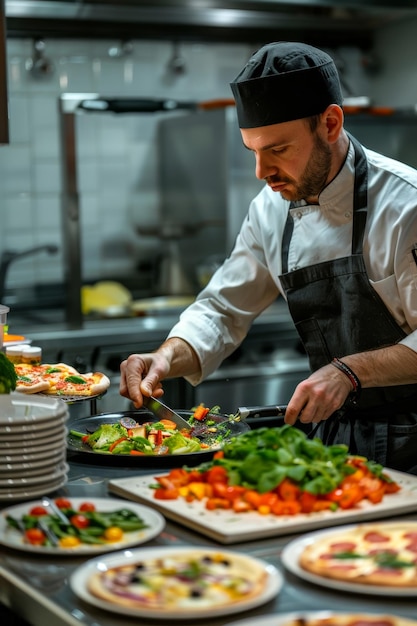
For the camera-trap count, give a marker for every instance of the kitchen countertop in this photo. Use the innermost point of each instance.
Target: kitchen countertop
(47, 328)
(37, 588)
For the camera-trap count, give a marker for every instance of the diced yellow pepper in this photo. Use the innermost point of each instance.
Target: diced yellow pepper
(264, 509)
(198, 490)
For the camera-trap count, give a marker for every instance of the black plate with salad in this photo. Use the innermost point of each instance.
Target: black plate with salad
(112, 438)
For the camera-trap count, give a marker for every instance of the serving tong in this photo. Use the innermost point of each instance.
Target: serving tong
(56, 510)
(53, 538)
(43, 526)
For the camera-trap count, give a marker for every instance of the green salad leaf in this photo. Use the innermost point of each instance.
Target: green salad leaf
(261, 458)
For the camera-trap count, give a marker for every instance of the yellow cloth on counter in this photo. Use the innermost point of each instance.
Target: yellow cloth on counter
(103, 295)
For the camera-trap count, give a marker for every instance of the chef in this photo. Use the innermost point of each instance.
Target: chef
(334, 232)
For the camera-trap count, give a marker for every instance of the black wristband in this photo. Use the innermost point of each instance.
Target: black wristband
(356, 383)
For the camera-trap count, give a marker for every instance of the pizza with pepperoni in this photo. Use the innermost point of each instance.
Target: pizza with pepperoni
(383, 554)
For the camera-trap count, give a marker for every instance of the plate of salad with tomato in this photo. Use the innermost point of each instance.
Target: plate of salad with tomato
(71, 526)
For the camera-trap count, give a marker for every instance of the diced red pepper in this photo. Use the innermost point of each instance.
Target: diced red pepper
(200, 412)
(114, 444)
(158, 438)
(307, 501)
(217, 503)
(166, 494)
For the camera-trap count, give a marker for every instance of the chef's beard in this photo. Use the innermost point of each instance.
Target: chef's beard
(315, 175)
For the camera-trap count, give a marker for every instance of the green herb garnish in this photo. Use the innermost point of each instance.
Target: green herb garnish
(76, 380)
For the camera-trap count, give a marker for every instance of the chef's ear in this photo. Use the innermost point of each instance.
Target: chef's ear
(333, 119)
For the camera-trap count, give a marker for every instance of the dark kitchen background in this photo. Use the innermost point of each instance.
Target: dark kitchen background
(122, 163)
(132, 197)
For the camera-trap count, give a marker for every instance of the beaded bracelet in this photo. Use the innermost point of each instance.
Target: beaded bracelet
(356, 383)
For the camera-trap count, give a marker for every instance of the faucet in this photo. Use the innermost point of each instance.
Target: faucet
(9, 256)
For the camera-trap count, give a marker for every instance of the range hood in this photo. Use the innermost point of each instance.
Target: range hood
(328, 22)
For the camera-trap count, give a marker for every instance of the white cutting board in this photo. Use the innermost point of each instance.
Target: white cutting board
(227, 527)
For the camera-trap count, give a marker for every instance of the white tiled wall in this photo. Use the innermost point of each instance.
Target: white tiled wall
(117, 165)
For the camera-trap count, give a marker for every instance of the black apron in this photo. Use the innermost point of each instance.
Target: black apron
(337, 312)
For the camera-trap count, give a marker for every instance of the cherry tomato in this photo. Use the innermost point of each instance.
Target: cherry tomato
(79, 521)
(37, 511)
(63, 503)
(35, 536)
(87, 506)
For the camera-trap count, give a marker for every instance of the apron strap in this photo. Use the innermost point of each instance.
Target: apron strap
(286, 238)
(360, 197)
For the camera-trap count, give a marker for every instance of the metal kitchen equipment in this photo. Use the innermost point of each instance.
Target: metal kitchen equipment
(206, 174)
(323, 22)
(71, 105)
(10, 256)
(206, 171)
(171, 278)
(244, 412)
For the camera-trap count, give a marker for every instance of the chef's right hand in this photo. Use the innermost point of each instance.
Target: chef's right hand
(141, 375)
(317, 397)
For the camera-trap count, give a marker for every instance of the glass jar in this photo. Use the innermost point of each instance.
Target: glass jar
(32, 355)
(14, 353)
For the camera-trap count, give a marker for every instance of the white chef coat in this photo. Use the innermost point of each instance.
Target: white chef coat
(247, 283)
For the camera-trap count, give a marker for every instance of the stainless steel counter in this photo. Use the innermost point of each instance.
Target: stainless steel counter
(267, 365)
(37, 588)
(48, 328)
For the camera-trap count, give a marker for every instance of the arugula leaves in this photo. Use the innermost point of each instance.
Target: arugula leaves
(260, 459)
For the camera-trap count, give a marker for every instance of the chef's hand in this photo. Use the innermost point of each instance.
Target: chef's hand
(141, 374)
(319, 396)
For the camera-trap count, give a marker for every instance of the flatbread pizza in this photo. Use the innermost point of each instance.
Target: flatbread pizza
(383, 554)
(59, 379)
(183, 581)
(29, 380)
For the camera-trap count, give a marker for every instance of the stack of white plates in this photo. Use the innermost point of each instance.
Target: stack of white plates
(33, 438)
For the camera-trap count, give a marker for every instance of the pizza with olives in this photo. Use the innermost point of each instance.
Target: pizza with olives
(181, 581)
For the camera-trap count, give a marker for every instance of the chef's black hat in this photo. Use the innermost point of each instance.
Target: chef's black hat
(285, 81)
